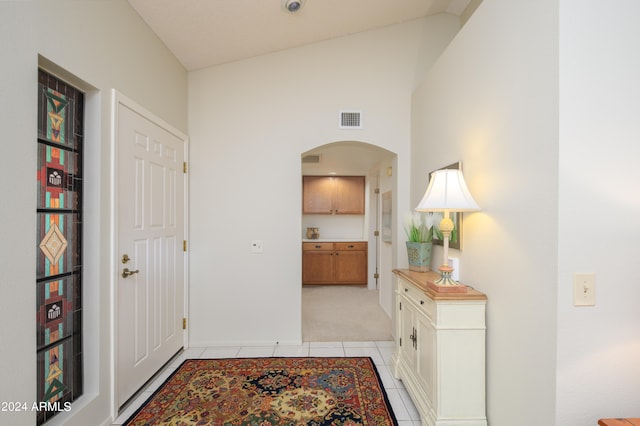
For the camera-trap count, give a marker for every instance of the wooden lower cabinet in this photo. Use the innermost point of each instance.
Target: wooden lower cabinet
(334, 263)
(317, 263)
(440, 351)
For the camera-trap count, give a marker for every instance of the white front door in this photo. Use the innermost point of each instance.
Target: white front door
(150, 289)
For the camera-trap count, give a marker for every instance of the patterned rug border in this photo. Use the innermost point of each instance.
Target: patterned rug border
(177, 370)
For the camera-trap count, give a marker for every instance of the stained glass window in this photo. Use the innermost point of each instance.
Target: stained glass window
(59, 245)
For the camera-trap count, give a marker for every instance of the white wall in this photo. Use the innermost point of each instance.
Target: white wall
(79, 37)
(599, 215)
(491, 102)
(334, 227)
(249, 123)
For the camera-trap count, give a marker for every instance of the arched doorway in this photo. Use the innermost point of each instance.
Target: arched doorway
(353, 158)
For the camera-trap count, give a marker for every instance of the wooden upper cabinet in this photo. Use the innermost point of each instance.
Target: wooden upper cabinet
(333, 194)
(317, 195)
(349, 195)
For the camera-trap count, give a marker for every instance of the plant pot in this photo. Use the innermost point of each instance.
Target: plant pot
(419, 256)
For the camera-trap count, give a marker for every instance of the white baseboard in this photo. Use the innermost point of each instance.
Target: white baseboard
(243, 343)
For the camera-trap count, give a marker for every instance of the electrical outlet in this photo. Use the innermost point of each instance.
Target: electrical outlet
(256, 246)
(454, 262)
(584, 289)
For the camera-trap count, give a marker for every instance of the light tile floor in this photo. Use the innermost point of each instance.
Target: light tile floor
(380, 353)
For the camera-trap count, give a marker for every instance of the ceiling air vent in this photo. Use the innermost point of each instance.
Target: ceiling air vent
(350, 120)
(313, 159)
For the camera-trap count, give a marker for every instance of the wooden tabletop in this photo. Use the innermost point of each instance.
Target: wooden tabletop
(420, 280)
(619, 422)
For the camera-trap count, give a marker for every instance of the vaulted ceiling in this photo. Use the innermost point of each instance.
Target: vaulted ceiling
(204, 33)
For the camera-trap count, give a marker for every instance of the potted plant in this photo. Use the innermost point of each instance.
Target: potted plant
(419, 228)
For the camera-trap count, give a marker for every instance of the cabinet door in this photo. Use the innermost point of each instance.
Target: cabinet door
(317, 195)
(317, 267)
(426, 353)
(349, 195)
(407, 329)
(351, 266)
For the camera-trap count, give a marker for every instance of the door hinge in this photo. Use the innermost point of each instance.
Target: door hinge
(184, 167)
(376, 233)
(376, 191)
(401, 341)
(400, 305)
(184, 245)
(184, 323)
(376, 275)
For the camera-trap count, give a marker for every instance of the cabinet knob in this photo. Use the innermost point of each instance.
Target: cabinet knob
(318, 246)
(350, 246)
(406, 289)
(422, 302)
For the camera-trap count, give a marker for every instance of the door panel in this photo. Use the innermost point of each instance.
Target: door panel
(351, 266)
(317, 267)
(317, 195)
(407, 315)
(426, 362)
(150, 201)
(349, 198)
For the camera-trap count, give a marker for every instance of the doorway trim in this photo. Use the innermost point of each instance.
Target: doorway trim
(118, 99)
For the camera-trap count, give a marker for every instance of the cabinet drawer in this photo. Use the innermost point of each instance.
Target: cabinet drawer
(351, 246)
(417, 297)
(317, 246)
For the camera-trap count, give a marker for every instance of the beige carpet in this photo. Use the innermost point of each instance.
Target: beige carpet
(343, 313)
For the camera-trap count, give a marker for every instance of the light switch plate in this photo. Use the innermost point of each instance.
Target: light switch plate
(584, 289)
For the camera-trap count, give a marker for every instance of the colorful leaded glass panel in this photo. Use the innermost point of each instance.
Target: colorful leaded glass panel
(57, 301)
(58, 186)
(56, 117)
(56, 378)
(59, 245)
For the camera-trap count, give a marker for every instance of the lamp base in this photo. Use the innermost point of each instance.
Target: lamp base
(446, 284)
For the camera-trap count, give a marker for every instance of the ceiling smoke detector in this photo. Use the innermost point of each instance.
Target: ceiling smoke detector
(292, 6)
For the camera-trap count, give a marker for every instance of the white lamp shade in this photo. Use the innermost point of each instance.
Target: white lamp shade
(447, 191)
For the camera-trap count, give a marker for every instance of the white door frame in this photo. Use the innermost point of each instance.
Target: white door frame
(118, 99)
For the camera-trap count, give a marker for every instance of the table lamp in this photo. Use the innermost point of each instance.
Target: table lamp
(447, 192)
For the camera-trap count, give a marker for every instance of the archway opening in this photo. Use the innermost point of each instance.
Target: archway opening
(326, 320)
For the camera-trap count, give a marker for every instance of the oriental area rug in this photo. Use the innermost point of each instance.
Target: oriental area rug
(270, 392)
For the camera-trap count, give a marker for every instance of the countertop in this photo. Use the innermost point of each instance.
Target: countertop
(420, 279)
(333, 240)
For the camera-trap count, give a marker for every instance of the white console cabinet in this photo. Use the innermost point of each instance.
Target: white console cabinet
(440, 350)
